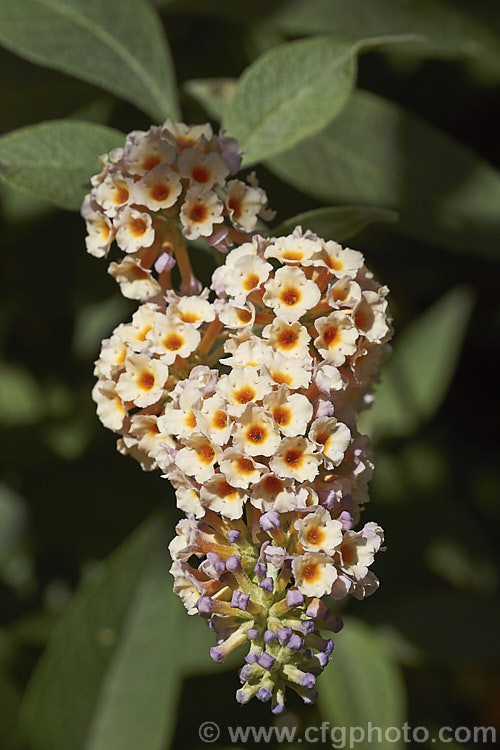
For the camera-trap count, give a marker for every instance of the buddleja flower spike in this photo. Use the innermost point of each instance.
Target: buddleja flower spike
(264, 452)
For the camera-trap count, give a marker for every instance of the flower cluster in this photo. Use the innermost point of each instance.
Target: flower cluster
(165, 185)
(264, 454)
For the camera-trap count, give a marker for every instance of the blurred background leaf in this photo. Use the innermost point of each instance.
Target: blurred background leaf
(363, 686)
(125, 53)
(341, 222)
(417, 376)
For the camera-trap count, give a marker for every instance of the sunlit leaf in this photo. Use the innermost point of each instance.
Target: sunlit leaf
(291, 92)
(55, 160)
(119, 46)
(377, 153)
(336, 222)
(416, 377)
(113, 663)
(362, 684)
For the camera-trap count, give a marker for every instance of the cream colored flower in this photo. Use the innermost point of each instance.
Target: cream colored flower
(143, 380)
(289, 339)
(242, 386)
(273, 493)
(291, 412)
(244, 203)
(114, 192)
(100, 234)
(332, 438)
(318, 532)
(255, 432)
(135, 281)
(314, 573)
(134, 230)
(202, 169)
(296, 458)
(214, 421)
(158, 188)
(246, 276)
(218, 495)
(291, 294)
(110, 408)
(341, 262)
(199, 212)
(370, 315)
(198, 457)
(337, 337)
(239, 470)
(294, 249)
(294, 373)
(171, 339)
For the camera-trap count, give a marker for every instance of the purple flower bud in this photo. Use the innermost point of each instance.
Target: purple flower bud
(269, 636)
(311, 698)
(308, 680)
(252, 657)
(233, 535)
(283, 635)
(346, 520)
(267, 584)
(252, 634)
(317, 609)
(259, 570)
(278, 708)
(216, 655)
(242, 696)
(240, 600)
(204, 605)
(270, 520)
(329, 647)
(322, 658)
(295, 642)
(294, 598)
(164, 262)
(275, 555)
(233, 562)
(266, 661)
(307, 626)
(245, 672)
(263, 694)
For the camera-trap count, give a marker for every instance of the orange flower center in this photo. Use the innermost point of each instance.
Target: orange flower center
(294, 458)
(331, 336)
(251, 281)
(245, 394)
(206, 453)
(281, 378)
(256, 434)
(122, 195)
(173, 342)
(200, 174)
(245, 466)
(191, 420)
(198, 213)
(315, 536)
(235, 205)
(219, 419)
(311, 572)
(287, 339)
(150, 162)
(138, 227)
(244, 316)
(282, 415)
(160, 192)
(146, 380)
(290, 296)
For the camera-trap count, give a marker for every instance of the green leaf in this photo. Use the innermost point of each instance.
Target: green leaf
(212, 93)
(116, 44)
(377, 153)
(416, 377)
(362, 685)
(55, 160)
(450, 31)
(336, 222)
(112, 667)
(291, 92)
